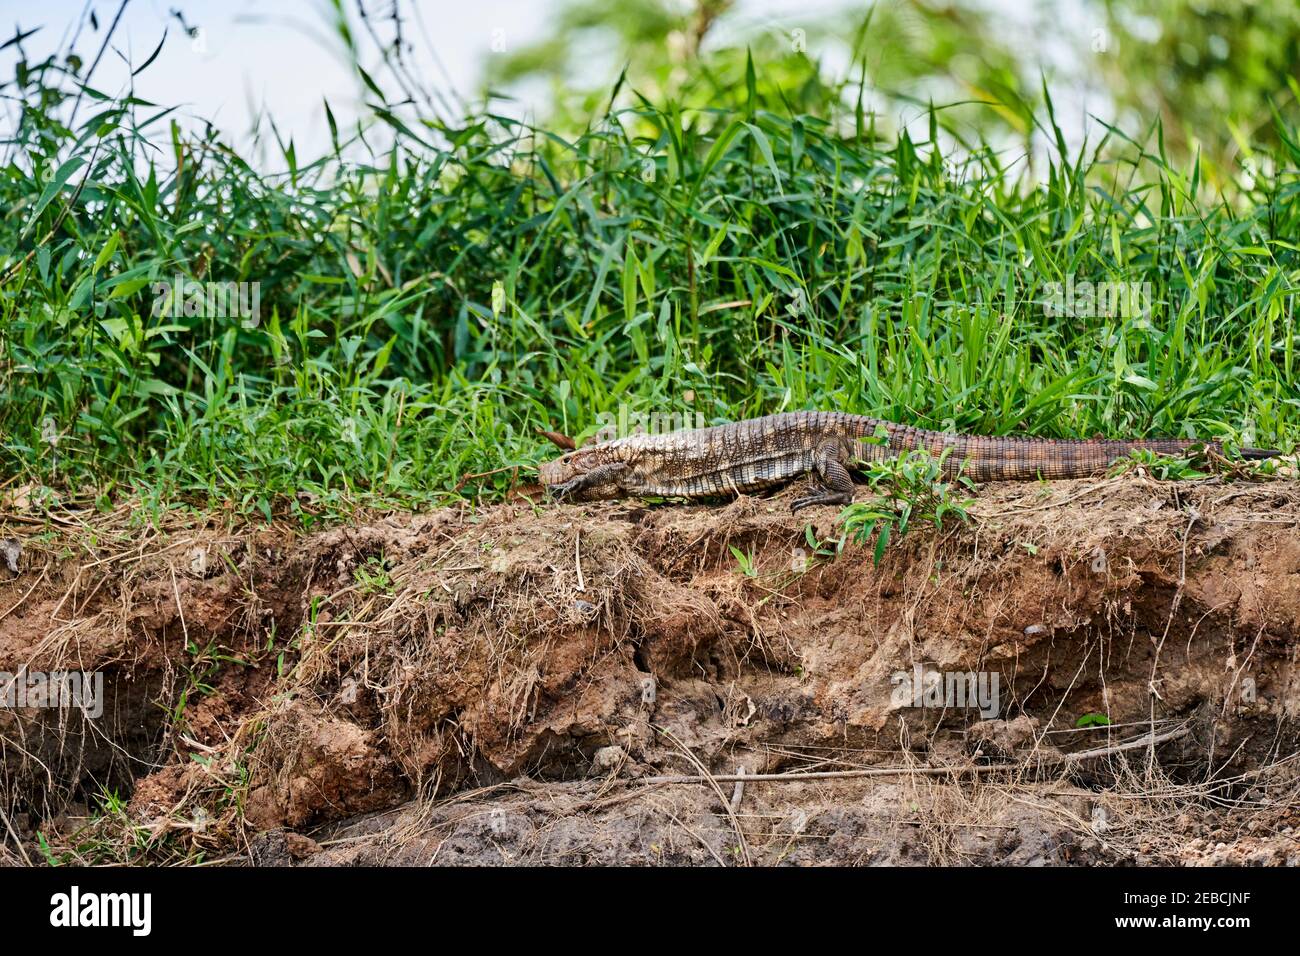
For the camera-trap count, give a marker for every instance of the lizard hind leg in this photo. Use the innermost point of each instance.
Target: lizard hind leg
(835, 486)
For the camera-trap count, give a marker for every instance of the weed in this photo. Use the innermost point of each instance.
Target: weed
(907, 488)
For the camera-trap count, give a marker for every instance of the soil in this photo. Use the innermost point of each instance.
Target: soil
(513, 684)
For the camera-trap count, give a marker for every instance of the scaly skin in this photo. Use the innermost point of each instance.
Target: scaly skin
(766, 452)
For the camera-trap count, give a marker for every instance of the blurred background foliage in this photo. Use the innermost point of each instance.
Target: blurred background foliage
(1211, 71)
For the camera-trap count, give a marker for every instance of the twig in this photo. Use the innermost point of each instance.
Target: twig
(706, 777)
(468, 477)
(17, 842)
(1147, 740)
(738, 791)
(577, 560)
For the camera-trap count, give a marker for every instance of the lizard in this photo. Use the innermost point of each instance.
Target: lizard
(763, 453)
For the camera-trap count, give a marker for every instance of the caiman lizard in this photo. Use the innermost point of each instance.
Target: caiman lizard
(763, 453)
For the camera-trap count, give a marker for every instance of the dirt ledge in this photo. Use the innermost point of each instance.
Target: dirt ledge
(492, 686)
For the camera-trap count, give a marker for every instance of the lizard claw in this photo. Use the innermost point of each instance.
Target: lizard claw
(820, 498)
(559, 492)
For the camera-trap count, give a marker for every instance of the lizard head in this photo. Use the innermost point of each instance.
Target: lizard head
(573, 464)
(589, 473)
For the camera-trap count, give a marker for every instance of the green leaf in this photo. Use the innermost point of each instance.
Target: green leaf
(52, 189)
(881, 543)
(1141, 381)
(765, 147)
(1092, 720)
(107, 252)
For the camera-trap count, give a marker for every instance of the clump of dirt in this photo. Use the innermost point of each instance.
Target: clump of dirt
(1092, 671)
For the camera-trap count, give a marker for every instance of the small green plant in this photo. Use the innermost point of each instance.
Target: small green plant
(908, 488)
(1092, 720)
(746, 562)
(817, 550)
(205, 665)
(51, 859)
(109, 836)
(1163, 467)
(373, 577)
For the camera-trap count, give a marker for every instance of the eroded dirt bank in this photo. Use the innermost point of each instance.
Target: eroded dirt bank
(498, 686)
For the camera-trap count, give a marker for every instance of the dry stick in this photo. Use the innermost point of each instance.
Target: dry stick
(1144, 741)
(468, 477)
(24, 519)
(577, 559)
(12, 833)
(706, 777)
(738, 792)
(1064, 501)
(5, 614)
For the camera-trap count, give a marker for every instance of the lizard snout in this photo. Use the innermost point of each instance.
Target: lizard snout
(559, 470)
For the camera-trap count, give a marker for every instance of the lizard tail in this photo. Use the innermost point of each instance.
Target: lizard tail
(1000, 458)
(1259, 454)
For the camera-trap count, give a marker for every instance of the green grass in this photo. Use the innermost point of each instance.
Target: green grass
(426, 309)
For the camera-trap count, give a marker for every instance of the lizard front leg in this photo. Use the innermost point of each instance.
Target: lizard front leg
(606, 474)
(836, 484)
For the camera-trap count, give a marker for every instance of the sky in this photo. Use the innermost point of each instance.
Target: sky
(276, 58)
